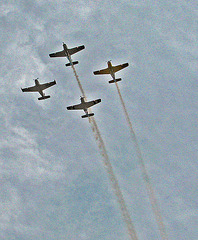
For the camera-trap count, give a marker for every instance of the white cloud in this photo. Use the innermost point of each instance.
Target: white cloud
(5, 9)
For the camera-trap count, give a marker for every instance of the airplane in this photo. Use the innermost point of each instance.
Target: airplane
(112, 70)
(39, 88)
(84, 106)
(66, 52)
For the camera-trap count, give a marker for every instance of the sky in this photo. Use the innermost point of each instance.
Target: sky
(53, 181)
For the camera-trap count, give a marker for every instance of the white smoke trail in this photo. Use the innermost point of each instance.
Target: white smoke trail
(114, 181)
(109, 169)
(146, 178)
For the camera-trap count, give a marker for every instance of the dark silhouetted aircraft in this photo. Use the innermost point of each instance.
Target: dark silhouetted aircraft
(66, 52)
(112, 70)
(84, 106)
(39, 88)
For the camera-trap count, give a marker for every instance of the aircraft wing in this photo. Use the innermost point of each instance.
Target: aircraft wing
(76, 49)
(84, 105)
(30, 89)
(91, 103)
(47, 85)
(75, 107)
(58, 54)
(103, 71)
(119, 67)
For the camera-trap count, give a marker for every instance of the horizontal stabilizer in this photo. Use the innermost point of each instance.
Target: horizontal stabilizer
(42, 98)
(87, 115)
(69, 64)
(116, 80)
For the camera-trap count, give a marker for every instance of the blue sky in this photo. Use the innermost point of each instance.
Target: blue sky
(53, 182)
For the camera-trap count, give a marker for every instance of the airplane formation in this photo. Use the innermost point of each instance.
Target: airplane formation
(84, 105)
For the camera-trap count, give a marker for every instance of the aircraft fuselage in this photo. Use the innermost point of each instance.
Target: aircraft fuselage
(84, 105)
(111, 69)
(82, 99)
(37, 82)
(39, 86)
(65, 49)
(67, 53)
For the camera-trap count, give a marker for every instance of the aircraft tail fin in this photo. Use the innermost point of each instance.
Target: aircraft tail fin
(116, 80)
(87, 115)
(42, 98)
(69, 64)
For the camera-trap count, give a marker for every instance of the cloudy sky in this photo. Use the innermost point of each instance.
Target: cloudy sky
(53, 182)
